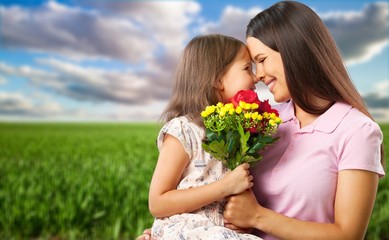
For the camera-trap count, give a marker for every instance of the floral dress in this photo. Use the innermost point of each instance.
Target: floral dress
(207, 222)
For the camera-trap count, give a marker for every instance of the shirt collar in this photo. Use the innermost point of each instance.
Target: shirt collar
(327, 122)
(287, 114)
(330, 120)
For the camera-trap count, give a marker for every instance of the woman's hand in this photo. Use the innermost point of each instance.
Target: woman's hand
(238, 180)
(241, 209)
(146, 235)
(231, 226)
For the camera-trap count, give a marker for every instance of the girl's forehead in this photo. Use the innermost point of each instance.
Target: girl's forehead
(243, 54)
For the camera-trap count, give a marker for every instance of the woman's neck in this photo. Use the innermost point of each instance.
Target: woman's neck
(306, 118)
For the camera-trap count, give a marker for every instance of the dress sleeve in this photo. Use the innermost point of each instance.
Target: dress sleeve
(180, 129)
(363, 150)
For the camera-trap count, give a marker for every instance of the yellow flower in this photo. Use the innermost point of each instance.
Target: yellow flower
(238, 110)
(229, 105)
(254, 106)
(247, 115)
(208, 111)
(244, 105)
(254, 115)
(222, 112)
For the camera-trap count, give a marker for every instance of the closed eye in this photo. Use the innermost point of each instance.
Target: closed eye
(261, 60)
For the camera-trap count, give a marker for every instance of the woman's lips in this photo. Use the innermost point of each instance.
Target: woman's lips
(271, 84)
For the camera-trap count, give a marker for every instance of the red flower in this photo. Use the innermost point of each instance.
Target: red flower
(247, 96)
(252, 130)
(266, 107)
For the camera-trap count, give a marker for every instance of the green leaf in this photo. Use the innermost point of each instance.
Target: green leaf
(244, 137)
(216, 149)
(255, 147)
(211, 135)
(232, 142)
(234, 161)
(251, 160)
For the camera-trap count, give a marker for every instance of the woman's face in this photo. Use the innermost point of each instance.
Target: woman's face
(239, 76)
(269, 68)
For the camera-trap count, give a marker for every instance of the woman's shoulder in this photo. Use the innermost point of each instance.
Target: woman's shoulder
(361, 139)
(357, 118)
(357, 123)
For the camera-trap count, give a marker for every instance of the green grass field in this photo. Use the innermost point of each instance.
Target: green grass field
(90, 181)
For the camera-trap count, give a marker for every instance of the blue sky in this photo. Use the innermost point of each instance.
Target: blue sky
(100, 60)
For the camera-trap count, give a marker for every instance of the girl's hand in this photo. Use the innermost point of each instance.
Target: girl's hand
(146, 235)
(238, 179)
(240, 209)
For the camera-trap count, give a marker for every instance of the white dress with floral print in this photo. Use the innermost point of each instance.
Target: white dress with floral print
(207, 222)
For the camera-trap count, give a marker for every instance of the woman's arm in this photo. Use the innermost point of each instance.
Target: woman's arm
(166, 200)
(355, 196)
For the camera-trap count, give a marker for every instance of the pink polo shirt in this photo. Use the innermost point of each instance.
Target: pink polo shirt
(298, 174)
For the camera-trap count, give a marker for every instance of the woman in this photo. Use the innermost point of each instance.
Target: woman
(320, 180)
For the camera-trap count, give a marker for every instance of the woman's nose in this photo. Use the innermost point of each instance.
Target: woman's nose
(259, 75)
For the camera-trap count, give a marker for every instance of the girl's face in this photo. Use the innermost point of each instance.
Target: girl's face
(269, 68)
(239, 76)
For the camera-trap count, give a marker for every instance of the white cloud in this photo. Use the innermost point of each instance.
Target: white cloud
(18, 104)
(3, 80)
(134, 36)
(91, 84)
(149, 36)
(378, 98)
(360, 35)
(41, 107)
(381, 89)
(233, 22)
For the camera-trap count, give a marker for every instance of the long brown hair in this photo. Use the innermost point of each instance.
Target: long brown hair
(204, 61)
(312, 63)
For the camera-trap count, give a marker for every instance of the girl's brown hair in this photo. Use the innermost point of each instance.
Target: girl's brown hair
(312, 63)
(204, 61)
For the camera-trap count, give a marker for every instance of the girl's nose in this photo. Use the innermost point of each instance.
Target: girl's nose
(256, 80)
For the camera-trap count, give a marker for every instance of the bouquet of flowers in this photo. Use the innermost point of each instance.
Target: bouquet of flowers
(237, 131)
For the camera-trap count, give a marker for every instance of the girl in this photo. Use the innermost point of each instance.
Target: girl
(188, 185)
(319, 181)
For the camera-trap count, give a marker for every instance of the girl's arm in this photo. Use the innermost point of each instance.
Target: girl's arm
(166, 200)
(355, 196)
